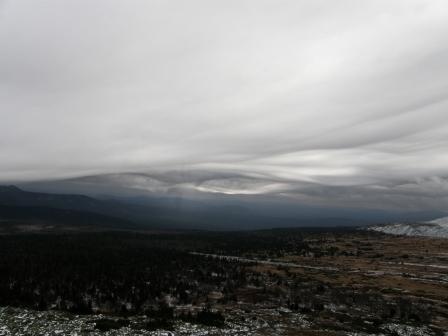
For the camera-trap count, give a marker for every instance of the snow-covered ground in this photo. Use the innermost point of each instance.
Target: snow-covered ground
(24, 322)
(435, 228)
(258, 322)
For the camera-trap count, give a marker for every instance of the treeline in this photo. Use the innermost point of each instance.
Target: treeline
(119, 273)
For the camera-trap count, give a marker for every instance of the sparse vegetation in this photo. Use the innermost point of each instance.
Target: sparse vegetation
(318, 274)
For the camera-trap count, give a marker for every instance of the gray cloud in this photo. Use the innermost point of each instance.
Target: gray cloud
(328, 103)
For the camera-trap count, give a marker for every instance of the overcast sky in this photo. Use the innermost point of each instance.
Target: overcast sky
(309, 99)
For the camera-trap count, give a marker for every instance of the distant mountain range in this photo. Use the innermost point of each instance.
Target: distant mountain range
(57, 210)
(22, 211)
(434, 228)
(20, 207)
(13, 196)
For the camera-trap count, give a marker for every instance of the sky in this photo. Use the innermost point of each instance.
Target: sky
(342, 103)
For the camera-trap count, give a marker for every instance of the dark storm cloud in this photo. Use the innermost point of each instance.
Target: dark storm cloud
(312, 100)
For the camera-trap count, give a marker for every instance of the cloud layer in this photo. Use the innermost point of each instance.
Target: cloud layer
(322, 101)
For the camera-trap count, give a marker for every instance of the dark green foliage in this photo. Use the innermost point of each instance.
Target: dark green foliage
(116, 273)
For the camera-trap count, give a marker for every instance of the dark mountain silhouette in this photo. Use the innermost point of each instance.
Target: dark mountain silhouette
(13, 196)
(19, 207)
(162, 213)
(26, 219)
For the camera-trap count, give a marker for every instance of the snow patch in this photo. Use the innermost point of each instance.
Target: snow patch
(435, 228)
